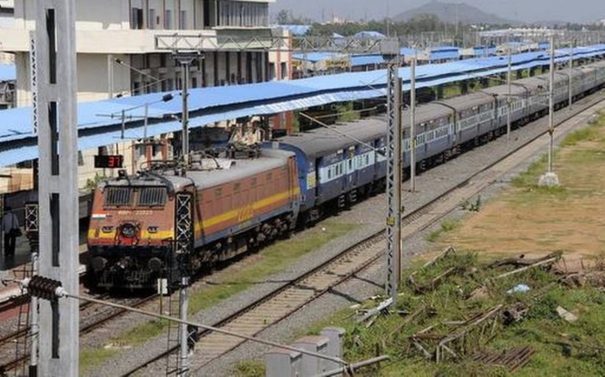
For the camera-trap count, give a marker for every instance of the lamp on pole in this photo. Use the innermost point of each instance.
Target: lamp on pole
(185, 60)
(550, 178)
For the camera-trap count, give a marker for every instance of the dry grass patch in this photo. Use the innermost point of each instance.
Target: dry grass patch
(528, 219)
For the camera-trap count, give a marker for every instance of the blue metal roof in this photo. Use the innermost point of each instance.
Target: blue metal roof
(484, 51)
(444, 53)
(315, 57)
(8, 72)
(361, 60)
(213, 104)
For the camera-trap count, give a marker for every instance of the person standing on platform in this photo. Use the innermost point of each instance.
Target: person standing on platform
(11, 229)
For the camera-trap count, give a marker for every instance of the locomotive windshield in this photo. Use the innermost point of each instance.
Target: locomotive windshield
(152, 196)
(137, 196)
(118, 196)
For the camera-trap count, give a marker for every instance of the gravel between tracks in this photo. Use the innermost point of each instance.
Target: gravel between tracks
(371, 214)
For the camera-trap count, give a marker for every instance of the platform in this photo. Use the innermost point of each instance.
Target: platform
(11, 268)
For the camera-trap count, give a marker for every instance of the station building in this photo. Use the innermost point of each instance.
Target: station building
(117, 56)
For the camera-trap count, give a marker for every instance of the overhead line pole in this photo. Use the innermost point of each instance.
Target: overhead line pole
(551, 103)
(508, 98)
(58, 197)
(413, 126)
(570, 72)
(391, 50)
(550, 178)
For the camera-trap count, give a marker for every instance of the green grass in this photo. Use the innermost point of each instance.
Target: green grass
(90, 358)
(270, 260)
(250, 368)
(542, 329)
(445, 227)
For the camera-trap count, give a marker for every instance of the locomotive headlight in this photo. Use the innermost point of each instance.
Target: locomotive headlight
(152, 229)
(98, 263)
(155, 264)
(128, 230)
(107, 229)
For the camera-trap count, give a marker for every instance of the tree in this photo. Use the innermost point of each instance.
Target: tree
(283, 17)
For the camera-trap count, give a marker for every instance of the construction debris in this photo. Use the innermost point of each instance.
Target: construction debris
(452, 307)
(512, 359)
(566, 315)
(369, 314)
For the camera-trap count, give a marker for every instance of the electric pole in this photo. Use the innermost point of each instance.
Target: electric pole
(58, 197)
(391, 51)
(550, 178)
(413, 126)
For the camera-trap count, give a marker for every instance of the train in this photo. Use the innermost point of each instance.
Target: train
(143, 225)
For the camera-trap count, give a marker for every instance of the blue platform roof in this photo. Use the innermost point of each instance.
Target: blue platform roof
(213, 104)
(362, 60)
(8, 72)
(444, 53)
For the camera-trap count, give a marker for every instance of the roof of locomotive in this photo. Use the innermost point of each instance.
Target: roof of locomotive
(323, 141)
(240, 168)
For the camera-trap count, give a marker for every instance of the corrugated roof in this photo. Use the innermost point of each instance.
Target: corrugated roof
(209, 105)
(361, 60)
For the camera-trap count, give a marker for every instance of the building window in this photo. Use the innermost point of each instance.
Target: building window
(80, 159)
(183, 20)
(272, 74)
(240, 13)
(168, 19)
(284, 71)
(102, 151)
(136, 88)
(136, 18)
(151, 21)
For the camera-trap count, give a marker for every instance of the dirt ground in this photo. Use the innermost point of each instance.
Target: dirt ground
(529, 220)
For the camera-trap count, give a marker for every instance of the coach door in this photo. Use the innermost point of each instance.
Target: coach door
(352, 172)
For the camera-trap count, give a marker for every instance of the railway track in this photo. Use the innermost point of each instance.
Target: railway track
(92, 317)
(284, 301)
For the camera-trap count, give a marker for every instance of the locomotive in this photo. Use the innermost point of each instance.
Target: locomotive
(225, 206)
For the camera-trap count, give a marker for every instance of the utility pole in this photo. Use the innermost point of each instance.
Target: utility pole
(413, 125)
(508, 98)
(391, 51)
(551, 110)
(58, 196)
(550, 178)
(570, 72)
(185, 60)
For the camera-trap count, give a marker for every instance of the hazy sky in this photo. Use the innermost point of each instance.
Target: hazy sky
(523, 10)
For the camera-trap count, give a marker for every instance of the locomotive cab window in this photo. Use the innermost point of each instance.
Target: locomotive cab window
(152, 196)
(118, 196)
